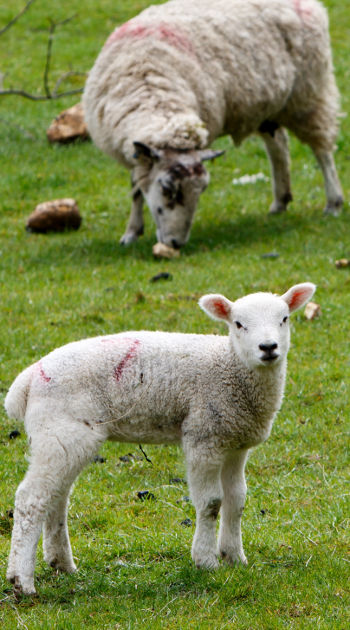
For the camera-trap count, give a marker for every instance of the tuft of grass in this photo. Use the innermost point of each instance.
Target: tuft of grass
(134, 556)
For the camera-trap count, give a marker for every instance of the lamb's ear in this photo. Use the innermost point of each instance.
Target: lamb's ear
(144, 152)
(216, 306)
(298, 295)
(209, 154)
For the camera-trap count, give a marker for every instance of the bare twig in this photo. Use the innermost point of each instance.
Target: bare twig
(65, 76)
(40, 97)
(48, 94)
(14, 20)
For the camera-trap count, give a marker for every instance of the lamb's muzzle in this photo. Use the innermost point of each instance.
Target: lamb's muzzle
(216, 395)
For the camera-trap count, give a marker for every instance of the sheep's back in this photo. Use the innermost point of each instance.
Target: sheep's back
(232, 64)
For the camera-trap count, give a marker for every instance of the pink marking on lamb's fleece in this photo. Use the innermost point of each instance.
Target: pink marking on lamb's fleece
(131, 354)
(44, 376)
(162, 31)
(302, 8)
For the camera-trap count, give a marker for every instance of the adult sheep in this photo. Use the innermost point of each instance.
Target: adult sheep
(217, 395)
(180, 74)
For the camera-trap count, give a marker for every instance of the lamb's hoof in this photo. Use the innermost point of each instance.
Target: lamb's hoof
(208, 562)
(233, 558)
(60, 565)
(23, 587)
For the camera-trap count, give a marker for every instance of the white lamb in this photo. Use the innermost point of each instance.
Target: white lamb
(180, 74)
(217, 395)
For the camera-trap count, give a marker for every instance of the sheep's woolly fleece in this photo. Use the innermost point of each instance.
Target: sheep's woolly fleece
(191, 51)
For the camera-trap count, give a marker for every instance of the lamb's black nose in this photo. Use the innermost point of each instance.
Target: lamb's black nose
(268, 347)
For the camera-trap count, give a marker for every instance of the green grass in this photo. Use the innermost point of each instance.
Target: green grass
(134, 560)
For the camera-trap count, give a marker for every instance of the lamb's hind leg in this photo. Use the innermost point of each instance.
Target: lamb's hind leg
(276, 144)
(56, 543)
(230, 538)
(56, 460)
(206, 493)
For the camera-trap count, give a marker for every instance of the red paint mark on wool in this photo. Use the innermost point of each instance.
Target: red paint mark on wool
(162, 31)
(131, 354)
(302, 8)
(44, 376)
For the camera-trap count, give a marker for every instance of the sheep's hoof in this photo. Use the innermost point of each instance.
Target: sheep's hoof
(127, 239)
(277, 207)
(334, 209)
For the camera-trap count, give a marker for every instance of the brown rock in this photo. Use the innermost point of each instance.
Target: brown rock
(343, 262)
(160, 250)
(312, 310)
(54, 216)
(68, 126)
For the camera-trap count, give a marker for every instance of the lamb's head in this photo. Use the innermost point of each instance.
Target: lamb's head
(259, 323)
(171, 181)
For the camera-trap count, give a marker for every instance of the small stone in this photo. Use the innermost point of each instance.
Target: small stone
(68, 126)
(14, 434)
(146, 495)
(312, 310)
(163, 275)
(186, 523)
(99, 460)
(343, 262)
(160, 250)
(54, 216)
(177, 480)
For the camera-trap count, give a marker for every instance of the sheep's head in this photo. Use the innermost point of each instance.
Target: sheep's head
(171, 182)
(259, 323)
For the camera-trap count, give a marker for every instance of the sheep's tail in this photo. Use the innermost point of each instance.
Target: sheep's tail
(16, 399)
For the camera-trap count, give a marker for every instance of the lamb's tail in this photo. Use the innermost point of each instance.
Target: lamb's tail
(16, 399)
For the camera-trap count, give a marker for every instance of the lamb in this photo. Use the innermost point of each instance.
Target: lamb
(217, 395)
(180, 74)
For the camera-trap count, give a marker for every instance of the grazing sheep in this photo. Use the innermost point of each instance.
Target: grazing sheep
(180, 74)
(217, 395)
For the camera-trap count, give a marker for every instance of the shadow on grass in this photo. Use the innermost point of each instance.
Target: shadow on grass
(241, 231)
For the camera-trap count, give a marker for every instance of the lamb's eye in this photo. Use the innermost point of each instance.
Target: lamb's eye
(160, 210)
(285, 319)
(239, 325)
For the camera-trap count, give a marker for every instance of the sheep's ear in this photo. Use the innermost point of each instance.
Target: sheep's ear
(144, 152)
(216, 306)
(209, 154)
(298, 295)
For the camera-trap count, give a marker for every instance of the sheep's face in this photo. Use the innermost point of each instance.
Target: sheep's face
(174, 182)
(259, 323)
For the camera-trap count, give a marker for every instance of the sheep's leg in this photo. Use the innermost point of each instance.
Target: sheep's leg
(333, 189)
(56, 460)
(206, 493)
(230, 538)
(135, 225)
(276, 144)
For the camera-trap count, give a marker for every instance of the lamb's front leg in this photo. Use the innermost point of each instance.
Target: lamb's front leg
(135, 225)
(206, 493)
(234, 486)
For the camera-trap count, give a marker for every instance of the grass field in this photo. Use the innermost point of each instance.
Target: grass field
(135, 569)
